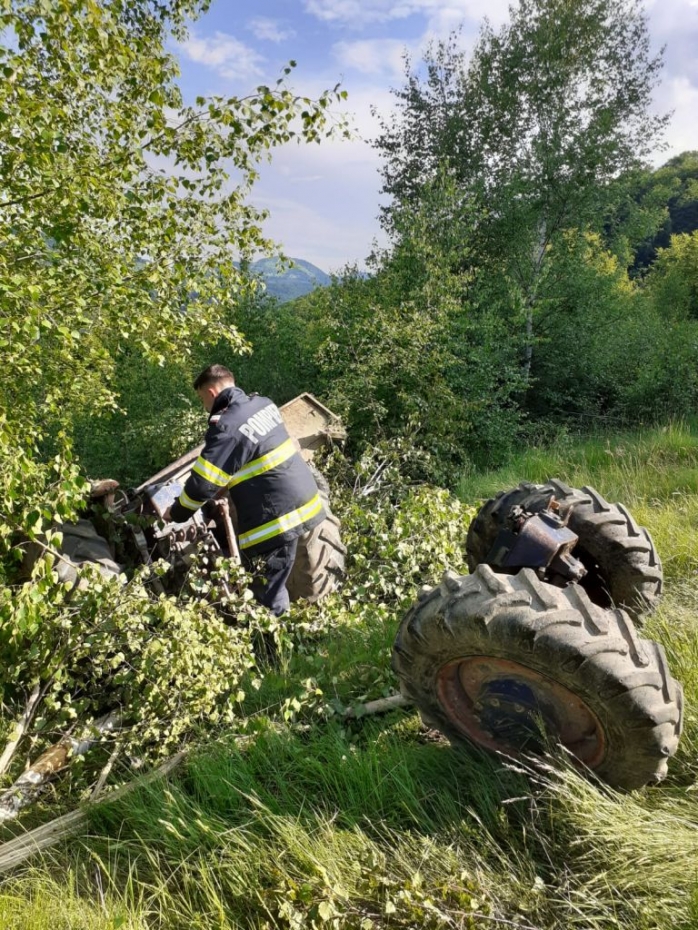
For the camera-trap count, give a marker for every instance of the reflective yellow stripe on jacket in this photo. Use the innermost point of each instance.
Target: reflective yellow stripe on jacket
(259, 466)
(282, 524)
(264, 463)
(187, 502)
(211, 472)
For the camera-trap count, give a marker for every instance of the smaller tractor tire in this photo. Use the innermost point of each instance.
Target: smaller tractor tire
(320, 559)
(623, 568)
(500, 660)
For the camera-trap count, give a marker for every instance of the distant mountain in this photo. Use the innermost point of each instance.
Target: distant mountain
(286, 282)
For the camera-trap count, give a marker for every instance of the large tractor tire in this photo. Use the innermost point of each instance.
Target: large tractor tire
(498, 660)
(320, 559)
(623, 568)
(81, 544)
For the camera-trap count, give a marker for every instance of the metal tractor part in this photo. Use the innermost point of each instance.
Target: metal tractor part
(538, 644)
(622, 566)
(541, 541)
(125, 528)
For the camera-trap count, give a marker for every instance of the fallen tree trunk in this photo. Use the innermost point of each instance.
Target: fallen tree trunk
(32, 780)
(20, 728)
(17, 850)
(380, 706)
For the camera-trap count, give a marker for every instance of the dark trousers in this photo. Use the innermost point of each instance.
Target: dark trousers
(270, 572)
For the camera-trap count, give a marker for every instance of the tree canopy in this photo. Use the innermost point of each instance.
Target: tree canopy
(674, 189)
(123, 209)
(533, 126)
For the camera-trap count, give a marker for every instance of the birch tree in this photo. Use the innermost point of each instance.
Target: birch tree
(534, 125)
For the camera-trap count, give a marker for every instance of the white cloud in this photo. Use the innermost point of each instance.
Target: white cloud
(269, 30)
(356, 12)
(444, 18)
(224, 54)
(324, 199)
(308, 178)
(674, 23)
(680, 96)
(307, 231)
(441, 16)
(372, 56)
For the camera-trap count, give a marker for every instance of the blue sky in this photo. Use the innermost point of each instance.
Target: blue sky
(324, 199)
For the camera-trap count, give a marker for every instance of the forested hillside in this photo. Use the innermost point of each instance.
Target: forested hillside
(540, 287)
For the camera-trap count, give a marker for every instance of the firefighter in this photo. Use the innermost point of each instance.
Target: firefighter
(248, 451)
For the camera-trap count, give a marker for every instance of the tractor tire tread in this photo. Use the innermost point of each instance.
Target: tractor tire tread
(560, 633)
(620, 551)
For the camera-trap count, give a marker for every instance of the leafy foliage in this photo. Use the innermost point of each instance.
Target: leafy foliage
(124, 210)
(172, 666)
(158, 419)
(673, 281)
(405, 354)
(107, 645)
(591, 333)
(104, 643)
(673, 187)
(533, 131)
(124, 218)
(547, 111)
(503, 303)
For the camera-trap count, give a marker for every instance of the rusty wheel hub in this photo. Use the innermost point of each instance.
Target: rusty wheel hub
(508, 707)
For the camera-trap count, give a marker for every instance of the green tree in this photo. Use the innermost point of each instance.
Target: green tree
(534, 127)
(666, 380)
(673, 188)
(123, 214)
(673, 279)
(122, 210)
(403, 354)
(590, 339)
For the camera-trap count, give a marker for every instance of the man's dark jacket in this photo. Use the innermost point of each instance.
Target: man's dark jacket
(248, 450)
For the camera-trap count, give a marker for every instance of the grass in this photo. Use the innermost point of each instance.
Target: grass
(370, 827)
(306, 820)
(41, 902)
(654, 472)
(650, 464)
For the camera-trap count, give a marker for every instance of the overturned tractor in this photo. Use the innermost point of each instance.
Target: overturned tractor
(539, 642)
(123, 529)
(126, 529)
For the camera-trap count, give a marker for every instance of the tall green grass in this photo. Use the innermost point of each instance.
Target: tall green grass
(41, 901)
(653, 472)
(379, 826)
(644, 465)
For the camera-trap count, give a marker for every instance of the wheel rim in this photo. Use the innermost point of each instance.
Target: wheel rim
(505, 706)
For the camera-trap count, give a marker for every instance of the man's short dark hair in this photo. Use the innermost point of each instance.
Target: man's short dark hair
(214, 374)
